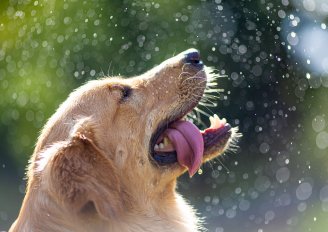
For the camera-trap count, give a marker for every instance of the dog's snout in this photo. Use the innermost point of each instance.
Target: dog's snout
(192, 56)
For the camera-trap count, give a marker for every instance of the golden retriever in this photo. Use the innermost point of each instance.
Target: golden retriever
(108, 159)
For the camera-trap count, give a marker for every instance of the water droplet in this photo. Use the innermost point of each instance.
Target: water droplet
(292, 38)
(308, 75)
(324, 194)
(262, 183)
(318, 123)
(282, 174)
(244, 205)
(302, 206)
(281, 14)
(264, 148)
(322, 140)
(231, 213)
(304, 191)
(309, 5)
(269, 216)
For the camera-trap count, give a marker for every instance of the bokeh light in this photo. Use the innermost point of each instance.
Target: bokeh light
(272, 57)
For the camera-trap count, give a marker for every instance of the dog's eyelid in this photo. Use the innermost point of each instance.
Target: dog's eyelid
(125, 91)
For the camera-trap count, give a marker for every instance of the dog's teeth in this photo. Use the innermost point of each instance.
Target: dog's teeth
(161, 145)
(167, 141)
(212, 121)
(156, 147)
(216, 122)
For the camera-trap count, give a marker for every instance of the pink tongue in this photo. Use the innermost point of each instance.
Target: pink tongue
(188, 143)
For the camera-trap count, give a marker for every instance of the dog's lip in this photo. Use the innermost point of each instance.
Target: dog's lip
(212, 136)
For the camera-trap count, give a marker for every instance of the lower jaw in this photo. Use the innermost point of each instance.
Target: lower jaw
(165, 158)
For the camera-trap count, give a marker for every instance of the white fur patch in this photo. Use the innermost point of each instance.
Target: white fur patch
(46, 155)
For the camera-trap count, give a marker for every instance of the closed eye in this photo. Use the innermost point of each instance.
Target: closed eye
(126, 92)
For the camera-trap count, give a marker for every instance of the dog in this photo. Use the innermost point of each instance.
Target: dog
(109, 158)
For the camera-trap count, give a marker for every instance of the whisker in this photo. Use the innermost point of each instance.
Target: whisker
(212, 90)
(208, 104)
(192, 77)
(197, 96)
(225, 167)
(182, 73)
(210, 84)
(201, 111)
(208, 101)
(208, 96)
(195, 117)
(211, 165)
(183, 66)
(186, 79)
(101, 74)
(109, 67)
(209, 110)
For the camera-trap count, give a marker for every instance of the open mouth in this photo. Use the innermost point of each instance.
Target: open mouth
(182, 142)
(179, 141)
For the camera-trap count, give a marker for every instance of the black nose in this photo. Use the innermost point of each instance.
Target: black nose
(192, 56)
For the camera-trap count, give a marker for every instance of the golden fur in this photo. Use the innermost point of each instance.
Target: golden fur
(91, 169)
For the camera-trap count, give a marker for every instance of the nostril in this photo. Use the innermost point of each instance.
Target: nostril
(192, 56)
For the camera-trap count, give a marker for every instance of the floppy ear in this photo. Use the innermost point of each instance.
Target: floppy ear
(80, 174)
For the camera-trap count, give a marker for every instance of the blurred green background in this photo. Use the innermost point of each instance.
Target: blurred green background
(273, 57)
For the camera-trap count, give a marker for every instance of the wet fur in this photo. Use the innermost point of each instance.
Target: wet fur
(91, 169)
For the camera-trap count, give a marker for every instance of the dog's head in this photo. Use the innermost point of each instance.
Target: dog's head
(138, 126)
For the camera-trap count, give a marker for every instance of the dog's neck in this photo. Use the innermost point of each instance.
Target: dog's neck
(174, 215)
